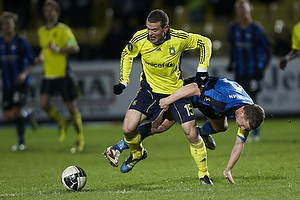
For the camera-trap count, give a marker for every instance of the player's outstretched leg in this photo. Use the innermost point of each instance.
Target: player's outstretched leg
(130, 162)
(112, 154)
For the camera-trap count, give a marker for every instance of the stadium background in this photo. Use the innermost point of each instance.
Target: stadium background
(103, 28)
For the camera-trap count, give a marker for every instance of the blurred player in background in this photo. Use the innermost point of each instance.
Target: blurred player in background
(250, 52)
(160, 48)
(16, 61)
(57, 41)
(295, 46)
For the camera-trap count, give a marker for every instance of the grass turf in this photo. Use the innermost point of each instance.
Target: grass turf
(267, 170)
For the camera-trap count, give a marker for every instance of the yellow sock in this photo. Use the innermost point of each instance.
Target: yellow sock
(52, 112)
(199, 154)
(136, 146)
(77, 122)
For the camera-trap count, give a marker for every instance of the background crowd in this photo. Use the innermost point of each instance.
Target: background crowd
(97, 24)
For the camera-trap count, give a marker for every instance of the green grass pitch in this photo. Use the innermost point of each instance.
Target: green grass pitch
(267, 170)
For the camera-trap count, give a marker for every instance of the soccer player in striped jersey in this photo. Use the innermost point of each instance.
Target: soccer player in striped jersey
(160, 48)
(57, 41)
(221, 98)
(250, 52)
(16, 61)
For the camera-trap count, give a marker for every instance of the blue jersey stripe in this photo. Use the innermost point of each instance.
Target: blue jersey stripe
(14, 59)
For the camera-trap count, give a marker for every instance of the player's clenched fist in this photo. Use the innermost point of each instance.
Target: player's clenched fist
(118, 89)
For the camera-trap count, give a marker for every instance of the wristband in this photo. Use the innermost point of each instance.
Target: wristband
(56, 49)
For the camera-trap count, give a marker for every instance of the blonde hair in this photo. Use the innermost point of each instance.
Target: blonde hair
(11, 15)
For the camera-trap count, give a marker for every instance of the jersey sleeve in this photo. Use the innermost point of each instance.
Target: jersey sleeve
(70, 38)
(296, 37)
(27, 51)
(196, 41)
(242, 134)
(130, 51)
(263, 38)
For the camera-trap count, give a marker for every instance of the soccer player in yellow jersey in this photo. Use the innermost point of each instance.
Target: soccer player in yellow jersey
(160, 48)
(295, 46)
(57, 41)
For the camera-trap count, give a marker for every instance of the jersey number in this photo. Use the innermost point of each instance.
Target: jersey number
(189, 109)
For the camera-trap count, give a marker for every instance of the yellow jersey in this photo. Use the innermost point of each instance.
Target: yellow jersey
(242, 134)
(161, 63)
(296, 37)
(56, 64)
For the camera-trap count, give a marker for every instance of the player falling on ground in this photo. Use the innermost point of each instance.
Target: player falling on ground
(221, 98)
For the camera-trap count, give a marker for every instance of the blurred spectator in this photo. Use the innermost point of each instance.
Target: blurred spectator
(124, 25)
(282, 42)
(116, 40)
(223, 9)
(81, 13)
(128, 10)
(21, 8)
(196, 11)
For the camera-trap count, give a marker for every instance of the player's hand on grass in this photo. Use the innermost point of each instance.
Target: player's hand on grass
(118, 89)
(227, 175)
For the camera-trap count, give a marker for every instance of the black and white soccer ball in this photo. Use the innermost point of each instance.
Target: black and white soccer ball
(73, 178)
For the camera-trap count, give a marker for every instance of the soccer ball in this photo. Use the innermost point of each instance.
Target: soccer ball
(73, 178)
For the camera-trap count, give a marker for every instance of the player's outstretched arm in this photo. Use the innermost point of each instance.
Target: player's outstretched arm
(183, 92)
(227, 175)
(290, 56)
(236, 152)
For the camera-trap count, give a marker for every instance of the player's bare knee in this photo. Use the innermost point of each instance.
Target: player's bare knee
(128, 133)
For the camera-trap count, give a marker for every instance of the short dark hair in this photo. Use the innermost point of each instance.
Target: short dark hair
(255, 114)
(158, 16)
(52, 3)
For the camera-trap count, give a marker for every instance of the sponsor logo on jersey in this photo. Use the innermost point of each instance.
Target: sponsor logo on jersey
(160, 65)
(206, 99)
(130, 47)
(172, 51)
